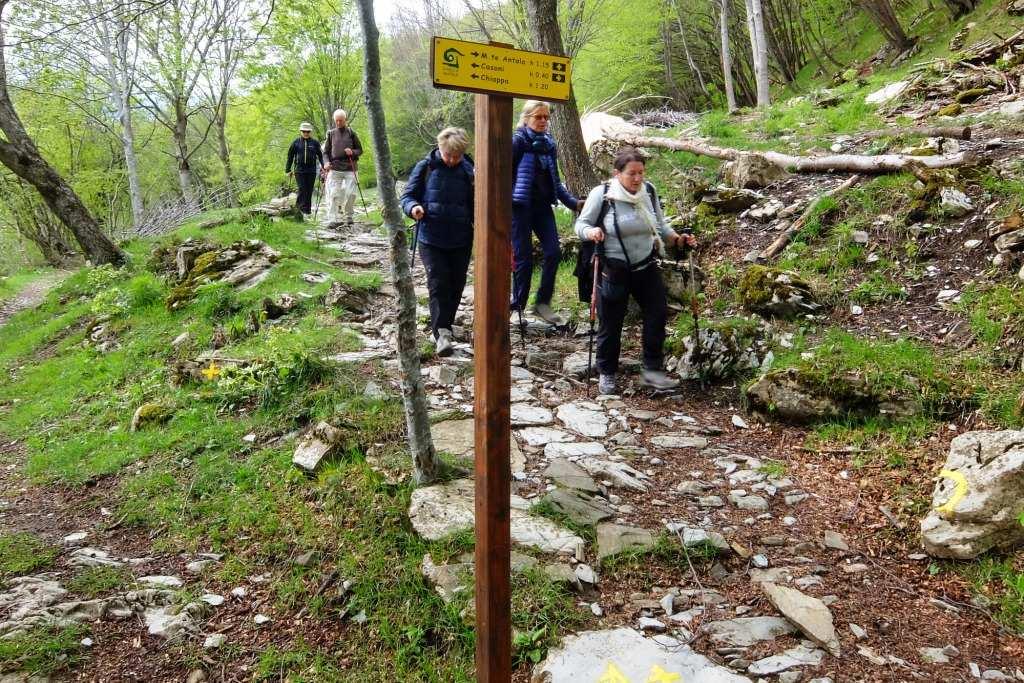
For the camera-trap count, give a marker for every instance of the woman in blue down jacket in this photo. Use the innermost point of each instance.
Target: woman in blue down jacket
(439, 196)
(537, 187)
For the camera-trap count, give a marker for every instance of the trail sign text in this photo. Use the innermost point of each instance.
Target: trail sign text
(492, 70)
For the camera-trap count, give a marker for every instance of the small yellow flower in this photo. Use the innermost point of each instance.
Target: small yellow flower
(212, 372)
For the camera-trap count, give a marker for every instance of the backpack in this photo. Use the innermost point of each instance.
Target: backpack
(584, 271)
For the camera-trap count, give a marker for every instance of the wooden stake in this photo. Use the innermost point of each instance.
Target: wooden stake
(493, 223)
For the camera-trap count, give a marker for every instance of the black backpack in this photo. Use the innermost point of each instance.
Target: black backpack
(584, 271)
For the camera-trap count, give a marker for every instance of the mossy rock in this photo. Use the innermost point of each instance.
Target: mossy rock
(150, 414)
(968, 96)
(951, 109)
(774, 293)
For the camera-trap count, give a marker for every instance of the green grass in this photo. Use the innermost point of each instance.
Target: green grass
(23, 553)
(1000, 585)
(43, 651)
(92, 582)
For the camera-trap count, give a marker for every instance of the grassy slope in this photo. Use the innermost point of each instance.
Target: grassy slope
(198, 486)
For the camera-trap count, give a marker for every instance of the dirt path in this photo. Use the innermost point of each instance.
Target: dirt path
(31, 295)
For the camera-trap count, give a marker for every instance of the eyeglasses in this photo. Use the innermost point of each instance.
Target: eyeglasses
(543, 117)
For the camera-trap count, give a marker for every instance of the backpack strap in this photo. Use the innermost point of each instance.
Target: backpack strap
(604, 208)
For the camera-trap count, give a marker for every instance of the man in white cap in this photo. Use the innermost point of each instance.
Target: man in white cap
(307, 159)
(342, 150)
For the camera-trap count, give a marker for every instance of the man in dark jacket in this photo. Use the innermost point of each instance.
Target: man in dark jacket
(342, 150)
(439, 196)
(306, 156)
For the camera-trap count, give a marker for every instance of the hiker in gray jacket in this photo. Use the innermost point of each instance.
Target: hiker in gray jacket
(625, 217)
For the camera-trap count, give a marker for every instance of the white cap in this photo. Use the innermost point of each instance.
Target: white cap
(306, 126)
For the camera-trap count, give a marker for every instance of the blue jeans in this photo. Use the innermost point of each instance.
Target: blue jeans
(528, 221)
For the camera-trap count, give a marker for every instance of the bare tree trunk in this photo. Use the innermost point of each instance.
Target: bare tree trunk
(759, 47)
(854, 163)
(686, 48)
(547, 37)
(426, 465)
(20, 154)
(186, 180)
(730, 90)
(131, 162)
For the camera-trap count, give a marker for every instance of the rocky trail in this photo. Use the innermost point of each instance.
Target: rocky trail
(769, 560)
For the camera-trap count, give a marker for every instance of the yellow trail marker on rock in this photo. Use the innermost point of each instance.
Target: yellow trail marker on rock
(958, 493)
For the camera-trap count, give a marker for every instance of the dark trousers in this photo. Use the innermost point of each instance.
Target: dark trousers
(305, 181)
(446, 278)
(647, 288)
(526, 222)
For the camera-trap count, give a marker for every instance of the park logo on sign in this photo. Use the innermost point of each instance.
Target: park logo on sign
(451, 60)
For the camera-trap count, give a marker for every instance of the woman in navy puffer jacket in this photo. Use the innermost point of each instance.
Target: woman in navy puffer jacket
(440, 196)
(537, 187)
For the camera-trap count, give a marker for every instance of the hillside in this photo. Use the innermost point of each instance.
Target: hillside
(155, 525)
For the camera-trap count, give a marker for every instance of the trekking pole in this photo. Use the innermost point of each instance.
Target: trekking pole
(596, 266)
(316, 210)
(415, 241)
(695, 311)
(352, 165)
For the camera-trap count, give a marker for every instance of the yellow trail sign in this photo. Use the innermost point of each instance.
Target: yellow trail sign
(494, 70)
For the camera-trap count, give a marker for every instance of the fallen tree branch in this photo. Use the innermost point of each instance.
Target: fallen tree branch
(835, 163)
(780, 243)
(958, 132)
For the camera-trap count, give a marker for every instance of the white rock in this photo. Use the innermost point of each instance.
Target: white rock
(596, 610)
(574, 450)
(681, 440)
(954, 203)
(946, 296)
(586, 574)
(542, 436)
(856, 310)
(525, 415)
(739, 422)
(76, 538)
(627, 655)
(650, 624)
(933, 655)
(747, 631)
(583, 420)
(977, 507)
(972, 244)
(213, 599)
(162, 581)
(800, 655)
(443, 509)
(1012, 108)
(239, 592)
(889, 92)
(808, 613)
(214, 640)
(261, 619)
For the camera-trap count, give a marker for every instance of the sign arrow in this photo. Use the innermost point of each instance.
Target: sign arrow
(474, 76)
(474, 65)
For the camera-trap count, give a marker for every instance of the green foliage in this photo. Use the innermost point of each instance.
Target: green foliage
(999, 584)
(216, 301)
(23, 553)
(43, 650)
(143, 290)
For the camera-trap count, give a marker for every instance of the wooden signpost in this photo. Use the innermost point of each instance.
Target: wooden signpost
(497, 73)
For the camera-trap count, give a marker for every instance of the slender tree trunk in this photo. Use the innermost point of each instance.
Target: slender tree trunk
(20, 154)
(186, 180)
(730, 90)
(223, 151)
(759, 47)
(547, 37)
(426, 465)
(131, 162)
(686, 49)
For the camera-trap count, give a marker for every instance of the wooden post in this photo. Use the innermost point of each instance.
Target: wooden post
(493, 222)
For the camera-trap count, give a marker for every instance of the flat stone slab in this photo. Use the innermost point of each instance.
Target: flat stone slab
(542, 436)
(801, 655)
(622, 654)
(578, 507)
(616, 538)
(619, 473)
(575, 450)
(746, 631)
(444, 509)
(570, 475)
(810, 614)
(456, 437)
(525, 415)
(584, 418)
(679, 441)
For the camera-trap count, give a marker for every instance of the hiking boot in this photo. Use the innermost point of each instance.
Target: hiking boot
(606, 385)
(443, 345)
(657, 380)
(548, 315)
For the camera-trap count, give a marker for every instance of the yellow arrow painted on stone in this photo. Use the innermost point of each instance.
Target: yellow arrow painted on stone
(659, 675)
(958, 493)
